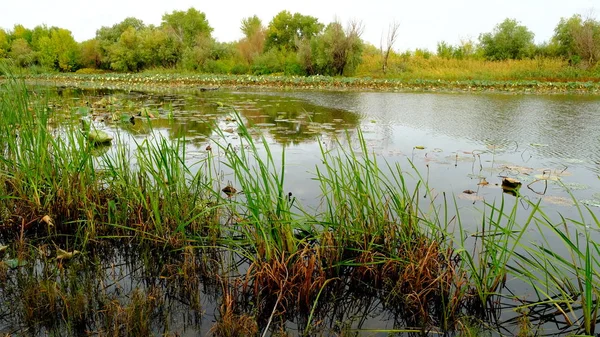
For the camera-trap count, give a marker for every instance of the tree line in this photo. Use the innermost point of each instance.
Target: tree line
(293, 44)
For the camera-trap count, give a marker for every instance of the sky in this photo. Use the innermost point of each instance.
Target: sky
(422, 23)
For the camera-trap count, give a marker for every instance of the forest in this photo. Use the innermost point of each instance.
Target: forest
(297, 44)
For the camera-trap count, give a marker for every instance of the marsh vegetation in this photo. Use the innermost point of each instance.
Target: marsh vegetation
(192, 220)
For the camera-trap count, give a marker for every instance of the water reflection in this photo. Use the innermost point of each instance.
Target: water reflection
(455, 141)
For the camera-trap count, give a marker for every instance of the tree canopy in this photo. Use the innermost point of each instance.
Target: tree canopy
(187, 26)
(508, 40)
(291, 43)
(286, 29)
(578, 39)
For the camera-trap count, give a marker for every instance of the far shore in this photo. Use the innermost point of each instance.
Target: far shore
(203, 82)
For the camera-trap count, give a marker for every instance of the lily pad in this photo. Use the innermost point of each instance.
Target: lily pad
(420, 147)
(591, 202)
(470, 197)
(547, 177)
(98, 137)
(559, 201)
(572, 186)
(15, 263)
(83, 110)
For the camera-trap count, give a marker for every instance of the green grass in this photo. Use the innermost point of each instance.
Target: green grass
(169, 81)
(373, 235)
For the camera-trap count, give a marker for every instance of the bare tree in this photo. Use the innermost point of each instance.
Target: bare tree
(392, 35)
(587, 40)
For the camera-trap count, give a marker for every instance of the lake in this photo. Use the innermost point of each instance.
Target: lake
(460, 145)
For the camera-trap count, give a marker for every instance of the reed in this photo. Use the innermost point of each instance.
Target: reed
(379, 231)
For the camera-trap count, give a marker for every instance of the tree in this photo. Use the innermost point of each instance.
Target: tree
(253, 42)
(578, 39)
(465, 49)
(20, 32)
(126, 54)
(21, 52)
(251, 26)
(285, 30)
(159, 48)
(509, 40)
(66, 48)
(194, 58)
(3, 43)
(338, 51)
(56, 48)
(187, 26)
(392, 35)
(109, 36)
(445, 50)
(90, 55)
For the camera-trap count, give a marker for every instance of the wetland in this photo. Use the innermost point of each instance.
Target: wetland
(254, 211)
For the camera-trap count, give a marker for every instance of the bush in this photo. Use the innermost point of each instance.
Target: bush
(90, 71)
(217, 66)
(267, 63)
(240, 69)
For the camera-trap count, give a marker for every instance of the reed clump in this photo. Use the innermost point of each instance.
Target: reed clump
(374, 236)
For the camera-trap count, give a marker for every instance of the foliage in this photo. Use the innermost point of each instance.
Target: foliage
(59, 50)
(187, 26)
(90, 54)
(110, 36)
(509, 40)
(194, 57)
(4, 44)
(20, 32)
(296, 44)
(578, 39)
(21, 52)
(253, 43)
(159, 48)
(286, 29)
(466, 49)
(336, 52)
(126, 54)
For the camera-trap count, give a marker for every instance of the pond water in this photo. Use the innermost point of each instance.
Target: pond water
(461, 144)
(456, 141)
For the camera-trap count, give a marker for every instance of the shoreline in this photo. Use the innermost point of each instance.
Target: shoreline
(204, 82)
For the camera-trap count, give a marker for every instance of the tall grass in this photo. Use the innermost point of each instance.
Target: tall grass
(438, 68)
(374, 232)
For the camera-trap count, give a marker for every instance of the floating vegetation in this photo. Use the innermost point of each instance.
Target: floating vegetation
(146, 81)
(141, 240)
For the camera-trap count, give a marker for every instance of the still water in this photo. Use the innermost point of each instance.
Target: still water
(461, 144)
(457, 142)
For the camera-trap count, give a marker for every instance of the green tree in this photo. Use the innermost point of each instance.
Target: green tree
(193, 58)
(253, 43)
(21, 52)
(4, 44)
(286, 29)
(338, 51)
(445, 50)
(563, 36)
(67, 49)
(578, 40)
(56, 48)
(20, 32)
(108, 37)
(251, 26)
(90, 54)
(159, 48)
(126, 54)
(508, 40)
(187, 26)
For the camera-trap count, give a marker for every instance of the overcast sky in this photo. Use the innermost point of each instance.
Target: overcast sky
(422, 23)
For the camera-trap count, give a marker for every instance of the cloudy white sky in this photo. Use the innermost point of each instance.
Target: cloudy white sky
(422, 23)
